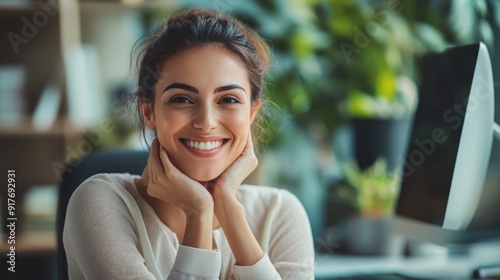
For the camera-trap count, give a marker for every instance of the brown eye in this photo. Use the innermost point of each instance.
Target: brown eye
(180, 99)
(229, 100)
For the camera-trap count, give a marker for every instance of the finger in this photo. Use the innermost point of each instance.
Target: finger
(249, 145)
(154, 162)
(145, 176)
(167, 164)
(250, 153)
(153, 154)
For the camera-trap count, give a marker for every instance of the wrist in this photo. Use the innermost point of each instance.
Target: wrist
(201, 213)
(202, 219)
(241, 239)
(200, 205)
(228, 209)
(198, 232)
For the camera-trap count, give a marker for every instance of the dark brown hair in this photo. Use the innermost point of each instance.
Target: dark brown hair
(196, 28)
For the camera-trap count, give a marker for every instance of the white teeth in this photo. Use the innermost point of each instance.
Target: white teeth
(205, 146)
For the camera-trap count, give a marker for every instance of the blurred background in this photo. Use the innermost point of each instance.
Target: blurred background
(341, 92)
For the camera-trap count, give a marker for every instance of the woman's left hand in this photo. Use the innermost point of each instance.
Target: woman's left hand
(229, 211)
(224, 187)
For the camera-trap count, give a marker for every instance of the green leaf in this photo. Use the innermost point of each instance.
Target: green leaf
(385, 84)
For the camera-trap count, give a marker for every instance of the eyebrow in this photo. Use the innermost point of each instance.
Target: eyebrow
(195, 90)
(182, 86)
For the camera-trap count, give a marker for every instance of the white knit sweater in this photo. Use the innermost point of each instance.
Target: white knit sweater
(111, 232)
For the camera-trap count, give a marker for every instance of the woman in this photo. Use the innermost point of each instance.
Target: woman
(187, 217)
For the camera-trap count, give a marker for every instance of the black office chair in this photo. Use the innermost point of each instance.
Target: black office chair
(121, 161)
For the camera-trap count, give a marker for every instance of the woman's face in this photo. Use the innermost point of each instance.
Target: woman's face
(202, 111)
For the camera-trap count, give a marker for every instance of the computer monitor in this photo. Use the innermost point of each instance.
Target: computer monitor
(449, 150)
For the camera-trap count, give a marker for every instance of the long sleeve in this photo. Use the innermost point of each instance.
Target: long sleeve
(105, 237)
(111, 232)
(263, 269)
(290, 252)
(291, 246)
(194, 263)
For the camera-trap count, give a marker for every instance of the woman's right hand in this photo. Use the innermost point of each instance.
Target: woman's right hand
(167, 183)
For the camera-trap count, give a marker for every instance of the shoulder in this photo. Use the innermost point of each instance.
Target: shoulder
(103, 200)
(262, 192)
(276, 216)
(105, 186)
(110, 178)
(107, 182)
(253, 196)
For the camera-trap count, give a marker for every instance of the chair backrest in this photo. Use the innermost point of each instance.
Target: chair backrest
(121, 161)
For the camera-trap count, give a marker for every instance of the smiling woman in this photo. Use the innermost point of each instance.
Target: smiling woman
(206, 99)
(188, 216)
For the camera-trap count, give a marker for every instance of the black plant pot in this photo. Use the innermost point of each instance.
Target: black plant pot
(387, 138)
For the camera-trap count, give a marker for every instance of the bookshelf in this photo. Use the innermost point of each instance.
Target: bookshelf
(34, 39)
(40, 39)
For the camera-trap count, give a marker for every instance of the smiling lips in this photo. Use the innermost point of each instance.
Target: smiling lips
(204, 146)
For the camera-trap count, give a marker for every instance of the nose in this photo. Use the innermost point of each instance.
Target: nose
(205, 118)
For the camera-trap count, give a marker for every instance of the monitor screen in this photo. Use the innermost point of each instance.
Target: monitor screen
(449, 150)
(432, 151)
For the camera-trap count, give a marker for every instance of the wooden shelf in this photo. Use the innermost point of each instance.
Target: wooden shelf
(32, 243)
(26, 6)
(61, 126)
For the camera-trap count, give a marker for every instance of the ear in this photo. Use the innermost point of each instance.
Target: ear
(148, 114)
(255, 109)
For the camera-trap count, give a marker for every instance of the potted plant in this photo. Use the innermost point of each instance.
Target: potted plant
(376, 188)
(373, 193)
(378, 50)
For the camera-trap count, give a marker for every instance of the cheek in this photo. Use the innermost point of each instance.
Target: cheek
(240, 121)
(239, 124)
(167, 124)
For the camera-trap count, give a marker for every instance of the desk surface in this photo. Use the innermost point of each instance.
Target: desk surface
(425, 266)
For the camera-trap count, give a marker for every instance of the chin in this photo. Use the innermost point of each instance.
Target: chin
(203, 174)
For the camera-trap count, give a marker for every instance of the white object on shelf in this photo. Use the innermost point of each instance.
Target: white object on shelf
(41, 201)
(47, 108)
(85, 102)
(40, 208)
(12, 78)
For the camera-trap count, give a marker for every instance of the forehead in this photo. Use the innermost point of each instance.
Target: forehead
(205, 66)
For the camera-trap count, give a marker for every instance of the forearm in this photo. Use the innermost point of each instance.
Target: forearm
(245, 248)
(198, 231)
